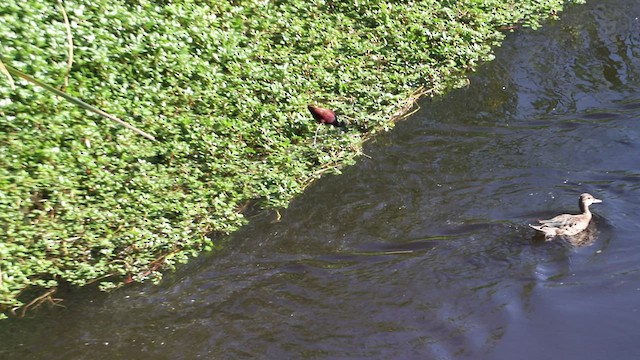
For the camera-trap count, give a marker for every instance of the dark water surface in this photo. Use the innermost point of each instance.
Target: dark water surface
(422, 251)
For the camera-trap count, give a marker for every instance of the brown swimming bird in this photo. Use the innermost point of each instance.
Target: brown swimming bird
(567, 224)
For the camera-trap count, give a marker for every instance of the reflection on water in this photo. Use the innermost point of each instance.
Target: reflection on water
(423, 251)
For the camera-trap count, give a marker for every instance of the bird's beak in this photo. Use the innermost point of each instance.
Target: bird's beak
(595, 201)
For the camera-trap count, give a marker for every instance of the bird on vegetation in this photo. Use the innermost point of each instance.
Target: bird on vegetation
(324, 117)
(567, 224)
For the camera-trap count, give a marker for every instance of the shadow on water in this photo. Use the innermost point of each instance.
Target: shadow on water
(423, 250)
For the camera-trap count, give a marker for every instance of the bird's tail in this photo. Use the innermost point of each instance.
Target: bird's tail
(548, 235)
(539, 228)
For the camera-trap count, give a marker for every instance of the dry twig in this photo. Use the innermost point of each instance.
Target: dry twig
(35, 303)
(6, 72)
(77, 101)
(69, 42)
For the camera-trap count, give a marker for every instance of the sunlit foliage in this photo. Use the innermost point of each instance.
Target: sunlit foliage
(223, 86)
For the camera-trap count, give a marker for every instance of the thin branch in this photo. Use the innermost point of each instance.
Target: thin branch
(69, 42)
(35, 303)
(4, 70)
(105, 276)
(77, 101)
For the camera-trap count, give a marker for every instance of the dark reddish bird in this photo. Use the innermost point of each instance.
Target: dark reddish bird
(325, 116)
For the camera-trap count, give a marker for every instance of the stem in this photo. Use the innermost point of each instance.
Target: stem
(69, 42)
(4, 70)
(77, 101)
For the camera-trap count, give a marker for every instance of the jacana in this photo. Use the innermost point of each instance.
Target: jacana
(325, 116)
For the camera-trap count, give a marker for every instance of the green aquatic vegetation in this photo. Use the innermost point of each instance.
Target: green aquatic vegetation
(9, 71)
(223, 87)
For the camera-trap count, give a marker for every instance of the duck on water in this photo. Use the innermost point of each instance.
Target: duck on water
(568, 224)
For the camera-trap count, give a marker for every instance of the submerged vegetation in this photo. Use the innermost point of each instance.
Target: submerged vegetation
(223, 86)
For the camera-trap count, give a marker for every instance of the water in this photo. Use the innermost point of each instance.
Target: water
(422, 251)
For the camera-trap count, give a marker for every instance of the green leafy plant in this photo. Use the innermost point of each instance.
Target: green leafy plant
(8, 70)
(223, 86)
